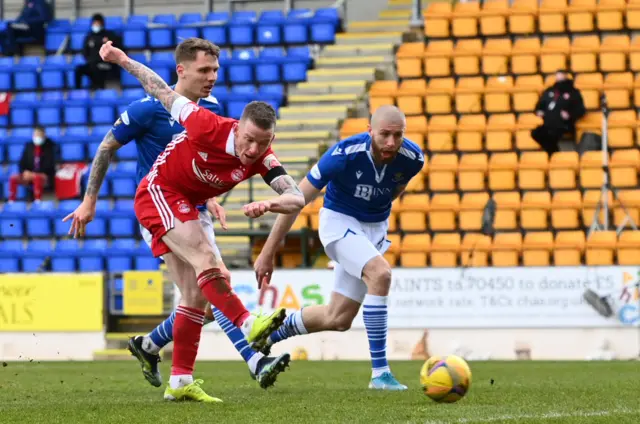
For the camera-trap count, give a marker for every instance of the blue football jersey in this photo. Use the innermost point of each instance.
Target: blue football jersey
(356, 186)
(151, 126)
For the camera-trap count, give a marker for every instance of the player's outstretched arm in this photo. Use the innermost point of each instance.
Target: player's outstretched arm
(290, 199)
(151, 82)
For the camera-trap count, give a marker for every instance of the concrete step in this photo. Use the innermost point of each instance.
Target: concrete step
(394, 37)
(399, 4)
(394, 15)
(381, 25)
(355, 50)
(341, 62)
(294, 137)
(329, 87)
(332, 74)
(311, 124)
(288, 150)
(318, 112)
(334, 99)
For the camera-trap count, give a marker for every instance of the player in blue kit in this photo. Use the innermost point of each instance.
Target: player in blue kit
(363, 175)
(151, 126)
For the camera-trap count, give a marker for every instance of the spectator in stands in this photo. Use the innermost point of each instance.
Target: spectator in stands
(29, 27)
(560, 106)
(95, 68)
(37, 166)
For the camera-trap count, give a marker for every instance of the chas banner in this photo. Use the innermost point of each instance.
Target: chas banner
(51, 302)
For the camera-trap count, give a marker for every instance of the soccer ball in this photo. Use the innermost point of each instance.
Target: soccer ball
(445, 378)
(299, 354)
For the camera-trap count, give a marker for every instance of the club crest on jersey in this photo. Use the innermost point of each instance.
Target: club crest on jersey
(184, 208)
(397, 177)
(271, 161)
(237, 175)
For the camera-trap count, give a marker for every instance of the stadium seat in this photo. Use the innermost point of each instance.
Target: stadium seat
(624, 167)
(438, 95)
(563, 168)
(502, 171)
(437, 19)
(614, 52)
(437, 60)
(64, 256)
(618, 88)
(580, 15)
(601, 248)
(522, 17)
(413, 211)
(443, 212)
(414, 250)
(584, 53)
(565, 209)
(568, 248)
(497, 98)
(591, 171)
(628, 207)
(554, 53)
(506, 249)
(445, 249)
(535, 210)
(532, 170)
(464, 19)
(610, 15)
(628, 248)
(507, 210)
(442, 172)
(471, 211)
(472, 170)
(536, 248)
(441, 130)
(525, 55)
(474, 250)
(10, 252)
(552, 16)
(493, 17)
(500, 128)
(466, 57)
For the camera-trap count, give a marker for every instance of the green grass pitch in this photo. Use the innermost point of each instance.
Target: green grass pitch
(322, 392)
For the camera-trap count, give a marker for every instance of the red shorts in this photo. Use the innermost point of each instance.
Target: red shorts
(157, 209)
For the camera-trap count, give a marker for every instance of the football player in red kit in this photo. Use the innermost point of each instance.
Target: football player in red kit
(208, 159)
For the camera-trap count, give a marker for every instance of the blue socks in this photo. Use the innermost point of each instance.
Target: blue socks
(292, 326)
(160, 336)
(374, 312)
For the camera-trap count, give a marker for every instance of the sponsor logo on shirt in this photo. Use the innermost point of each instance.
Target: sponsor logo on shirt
(206, 176)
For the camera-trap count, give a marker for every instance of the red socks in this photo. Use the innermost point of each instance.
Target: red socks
(186, 337)
(218, 292)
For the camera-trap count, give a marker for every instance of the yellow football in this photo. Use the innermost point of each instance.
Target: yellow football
(445, 378)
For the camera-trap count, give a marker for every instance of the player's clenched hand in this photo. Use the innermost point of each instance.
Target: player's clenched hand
(263, 266)
(218, 211)
(111, 54)
(256, 209)
(80, 218)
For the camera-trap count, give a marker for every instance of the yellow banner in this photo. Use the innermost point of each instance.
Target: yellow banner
(143, 293)
(51, 302)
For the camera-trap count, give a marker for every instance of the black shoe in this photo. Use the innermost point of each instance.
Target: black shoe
(269, 368)
(148, 361)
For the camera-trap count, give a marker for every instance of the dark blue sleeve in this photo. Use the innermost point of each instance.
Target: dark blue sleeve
(134, 121)
(330, 164)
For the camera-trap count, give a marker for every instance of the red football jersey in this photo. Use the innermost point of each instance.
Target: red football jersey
(201, 162)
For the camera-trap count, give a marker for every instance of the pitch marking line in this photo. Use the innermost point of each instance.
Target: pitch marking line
(546, 416)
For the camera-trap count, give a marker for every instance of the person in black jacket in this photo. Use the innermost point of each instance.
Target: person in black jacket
(560, 106)
(30, 24)
(95, 68)
(37, 166)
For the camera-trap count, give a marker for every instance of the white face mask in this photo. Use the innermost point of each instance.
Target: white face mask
(38, 141)
(96, 28)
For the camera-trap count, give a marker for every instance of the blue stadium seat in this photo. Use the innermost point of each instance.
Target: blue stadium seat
(123, 246)
(147, 263)
(241, 33)
(119, 264)
(190, 18)
(163, 64)
(64, 256)
(72, 152)
(92, 148)
(162, 38)
(216, 33)
(78, 134)
(15, 207)
(97, 228)
(10, 253)
(135, 33)
(114, 23)
(296, 30)
(128, 80)
(127, 152)
(70, 74)
(22, 108)
(91, 257)
(6, 65)
(269, 65)
(14, 152)
(39, 219)
(81, 24)
(127, 169)
(36, 254)
(25, 73)
(76, 107)
(53, 71)
(123, 205)
(65, 207)
(54, 133)
(183, 32)
(218, 17)
(269, 28)
(241, 66)
(56, 32)
(123, 187)
(102, 106)
(133, 94)
(49, 115)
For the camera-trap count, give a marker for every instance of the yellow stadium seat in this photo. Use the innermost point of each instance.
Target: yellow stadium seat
(507, 210)
(526, 123)
(413, 211)
(391, 255)
(629, 204)
(580, 15)
(439, 94)
(353, 126)
(444, 250)
(524, 56)
(568, 248)
(506, 249)
(443, 212)
(610, 15)
(441, 132)
(414, 202)
(500, 128)
(502, 171)
(470, 133)
(414, 250)
(437, 19)
(624, 167)
(563, 168)
(590, 86)
(633, 15)
(614, 52)
(291, 260)
(553, 54)
(437, 58)
(536, 248)
(495, 56)
(471, 210)
(522, 19)
(443, 168)
(634, 49)
(468, 97)
(474, 250)
(411, 94)
(384, 88)
(464, 22)
(417, 138)
(565, 209)
(535, 210)
(526, 92)
(591, 173)
(551, 19)
(393, 222)
(472, 170)
(591, 122)
(497, 97)
(622, 126)
(601, 246)
(584, 53)
(590, 200)
(409, 60)
(417, 124)
(636, 91)
(532, 170)
(617, 88)
(466, 57)
(416, 184)
(493, 17)
(628, 248)
(376, 102)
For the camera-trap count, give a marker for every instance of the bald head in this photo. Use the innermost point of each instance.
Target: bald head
(388, 114)
(387, 133)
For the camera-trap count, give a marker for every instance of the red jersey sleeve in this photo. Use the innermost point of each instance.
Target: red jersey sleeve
(201, 124)
(269, 167)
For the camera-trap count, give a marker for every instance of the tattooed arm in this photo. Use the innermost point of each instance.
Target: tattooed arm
(100, 165)
(151, 82)
(290, 199)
